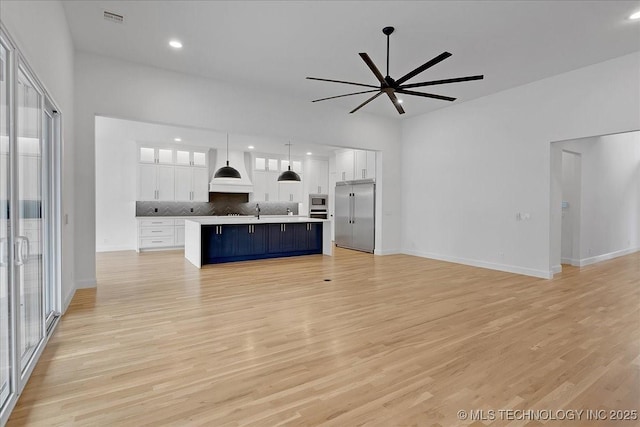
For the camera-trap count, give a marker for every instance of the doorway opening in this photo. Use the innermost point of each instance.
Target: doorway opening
(595, 199)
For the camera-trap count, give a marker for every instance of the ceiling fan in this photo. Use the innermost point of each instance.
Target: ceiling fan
(391, 86)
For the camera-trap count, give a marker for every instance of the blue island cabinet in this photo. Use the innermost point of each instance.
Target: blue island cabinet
(231, 242)
(295, 239)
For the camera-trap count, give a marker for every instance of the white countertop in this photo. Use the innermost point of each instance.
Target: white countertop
(267, 219)
(191, 218)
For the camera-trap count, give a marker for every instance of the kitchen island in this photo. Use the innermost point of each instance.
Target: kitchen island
(228, 239)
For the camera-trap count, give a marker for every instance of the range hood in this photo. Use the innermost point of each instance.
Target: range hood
(231, 185)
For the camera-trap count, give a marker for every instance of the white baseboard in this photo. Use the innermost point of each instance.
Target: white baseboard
(86, 283)
(67, 301)
(542, 274)
(115, 248)
(571, 261)
(387, 252)
(592, 260)
(556, 269)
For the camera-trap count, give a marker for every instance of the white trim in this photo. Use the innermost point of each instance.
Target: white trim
(542, 274)
(592, 260)
(67, 300)
(86, 283)
(556, 269)
(115, 248)
(387, 252)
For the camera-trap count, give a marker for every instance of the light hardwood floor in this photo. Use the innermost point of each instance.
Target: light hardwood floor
(389, 341)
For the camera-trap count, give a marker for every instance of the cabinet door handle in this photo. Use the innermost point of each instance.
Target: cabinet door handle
(291, 197)
(156, 231)
(285, 227)
(364, 173)
(343, 175)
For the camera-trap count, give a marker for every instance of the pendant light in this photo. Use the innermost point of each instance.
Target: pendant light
(289, 175)
(227, 171)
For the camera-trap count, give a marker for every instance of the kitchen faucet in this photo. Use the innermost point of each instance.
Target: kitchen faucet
(258, 210)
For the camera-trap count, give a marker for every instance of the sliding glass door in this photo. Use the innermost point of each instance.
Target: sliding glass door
(6, 380)
(29, 222)
(29, 236)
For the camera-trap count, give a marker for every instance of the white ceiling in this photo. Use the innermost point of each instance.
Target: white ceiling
(108, 128)
(274, 45)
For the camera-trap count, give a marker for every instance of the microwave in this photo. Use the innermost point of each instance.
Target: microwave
(318, 201)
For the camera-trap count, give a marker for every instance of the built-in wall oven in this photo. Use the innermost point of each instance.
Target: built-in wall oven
(318, 206)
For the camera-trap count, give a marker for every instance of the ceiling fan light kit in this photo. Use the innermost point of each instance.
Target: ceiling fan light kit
(391, 87)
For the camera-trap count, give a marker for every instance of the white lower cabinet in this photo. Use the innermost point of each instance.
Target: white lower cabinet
(156, 233)
(160, 233)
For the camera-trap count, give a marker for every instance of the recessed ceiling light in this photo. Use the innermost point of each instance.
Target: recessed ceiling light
(309, 153)
(251, 147)
(635, 16)
(177, 139)
(175, 44)
(399, 101)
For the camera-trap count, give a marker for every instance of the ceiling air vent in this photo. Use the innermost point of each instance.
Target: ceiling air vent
(113, 17)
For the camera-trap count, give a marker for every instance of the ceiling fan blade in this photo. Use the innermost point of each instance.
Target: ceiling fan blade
(341, 81)
(441, 82)
(347, 94)
(366, 102)
(373, 68)
(395, 102)
(426, 95)
(428, 64)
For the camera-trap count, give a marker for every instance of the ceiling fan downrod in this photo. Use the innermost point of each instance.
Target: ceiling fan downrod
(387, 32)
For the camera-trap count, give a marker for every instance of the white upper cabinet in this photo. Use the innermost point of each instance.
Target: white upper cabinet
(191, 184)
(191, 158)
(290, 191)
(150, 154)
(364, 164)
(172, 173)
(355, 164)
(317, 176)
(296, 165)
(199, 159)
(156, 182)
(265, 186)
(265, 164)
(344, 165)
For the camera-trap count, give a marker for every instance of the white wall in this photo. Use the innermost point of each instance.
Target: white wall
(116, 88)
(116, 161)
(468, 169)
(40, 29)
(609, 208)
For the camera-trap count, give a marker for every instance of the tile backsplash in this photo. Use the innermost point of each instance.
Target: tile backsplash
(218, 204)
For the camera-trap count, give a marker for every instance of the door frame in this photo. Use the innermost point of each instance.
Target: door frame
(53, 222)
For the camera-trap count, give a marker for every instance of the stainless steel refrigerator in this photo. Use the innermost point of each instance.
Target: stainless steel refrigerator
(354, 215)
